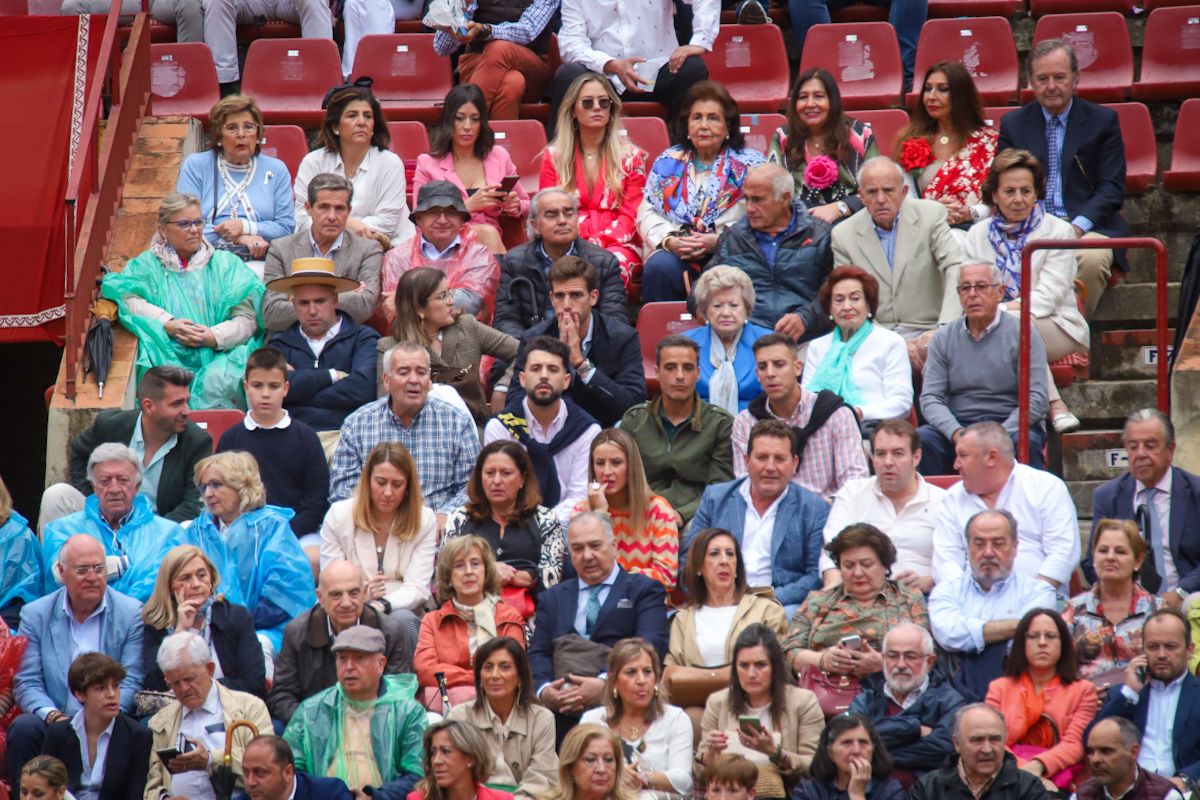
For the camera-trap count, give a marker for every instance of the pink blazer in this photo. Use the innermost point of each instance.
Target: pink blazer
(497, 164)
(1072, 708)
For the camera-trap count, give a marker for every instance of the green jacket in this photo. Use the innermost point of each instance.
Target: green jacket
(700, 454)
(397, 730)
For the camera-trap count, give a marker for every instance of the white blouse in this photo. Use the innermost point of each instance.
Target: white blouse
(668, 750)
(379, 190)
(881, 372)
(712, 632)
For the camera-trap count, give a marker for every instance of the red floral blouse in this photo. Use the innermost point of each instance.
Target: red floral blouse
(962, 176)
(606, 219)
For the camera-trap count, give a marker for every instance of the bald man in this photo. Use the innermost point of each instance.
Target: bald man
(306, 663)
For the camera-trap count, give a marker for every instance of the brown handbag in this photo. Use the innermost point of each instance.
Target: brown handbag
(465, 381)
(691, 686)
(834, 692)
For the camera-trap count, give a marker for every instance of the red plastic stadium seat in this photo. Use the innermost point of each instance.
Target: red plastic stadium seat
(409, 141)
(943, 481)
(216, 421)
(885, 124)
(1101, 43)
(1141, 149)
(865, 59)
(759, 128)
(183, 80)
(648, 133)
(525, 141)
(410, 26)
(287, 143)
(644, 108)
(751, 61)
(1184, 174)
(940, 9)
(986, 48)
(993, 114)
(1039, 7)
(1148, 5)
(1170, 55)
(655, 321)
(411, 80)
(288, 78)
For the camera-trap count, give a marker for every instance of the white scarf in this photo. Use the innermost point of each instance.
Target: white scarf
(233, 195)
(723, 385)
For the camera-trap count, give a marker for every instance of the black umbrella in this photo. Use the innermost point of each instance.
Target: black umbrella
(98, 347)
(223, 778)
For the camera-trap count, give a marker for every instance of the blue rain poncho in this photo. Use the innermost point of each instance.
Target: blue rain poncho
(21, 570)
(397, 730)
(262, 566)
(144, 538)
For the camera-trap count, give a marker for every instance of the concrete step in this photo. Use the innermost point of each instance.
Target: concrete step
(1123, 354)
(1100, 402)
(1133, 305)
(1081, 493)
(1095, 454)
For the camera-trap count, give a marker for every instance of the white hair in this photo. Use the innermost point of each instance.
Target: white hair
(994, 273)
(603, 520)
(183, 649)
(110, 452)
(781, 180)
(402, 347)
(905, 627)
(876, 162)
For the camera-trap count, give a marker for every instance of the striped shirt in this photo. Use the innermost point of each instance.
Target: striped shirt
(655, 553)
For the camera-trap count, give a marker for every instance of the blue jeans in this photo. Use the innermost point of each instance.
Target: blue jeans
(937, 452)
(906, 16)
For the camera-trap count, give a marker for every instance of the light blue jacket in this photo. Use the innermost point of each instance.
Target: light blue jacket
(270, 194)
(41, 682)
(743, 362)
(21, 565)
(795, 543)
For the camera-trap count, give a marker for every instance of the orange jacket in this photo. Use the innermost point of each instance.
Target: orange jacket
(1071, 706)
(442, 643)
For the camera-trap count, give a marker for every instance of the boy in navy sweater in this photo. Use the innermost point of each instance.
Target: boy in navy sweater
(289, 454)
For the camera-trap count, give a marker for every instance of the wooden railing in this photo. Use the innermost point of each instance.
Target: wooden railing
(98, 174)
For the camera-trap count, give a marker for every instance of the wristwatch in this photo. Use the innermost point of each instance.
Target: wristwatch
(1181, 592)
(842, 208)
(585, 369)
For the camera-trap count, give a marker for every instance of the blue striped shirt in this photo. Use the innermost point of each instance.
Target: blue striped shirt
(532, 22)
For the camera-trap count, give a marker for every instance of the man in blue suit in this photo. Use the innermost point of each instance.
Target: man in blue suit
(85, 616)
(1162, 699)
(269, 771)
(777, 523)
(1162, 499)
(1080, 145)
(603, 605)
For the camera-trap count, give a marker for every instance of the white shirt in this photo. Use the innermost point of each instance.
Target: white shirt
(92, 775)
(1047, 528)
(594, 32)
(1158, 749)
(317, 346)
(571, 462)
(959, 607)
(756, 538)
(668, 750)
(1162, 538)
(252, 424)
(206, 725)
(910, 529)
(379, 190)
(712, 631)
(880, 370)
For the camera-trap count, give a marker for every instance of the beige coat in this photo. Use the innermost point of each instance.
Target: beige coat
(526, 757)
(800, 729)
(683, 651)
(926, 262)
(164, 726)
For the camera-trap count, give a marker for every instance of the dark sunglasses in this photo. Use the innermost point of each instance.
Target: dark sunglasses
(603, 103)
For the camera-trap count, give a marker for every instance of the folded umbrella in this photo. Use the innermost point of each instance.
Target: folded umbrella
(223, 778)
(98, 347)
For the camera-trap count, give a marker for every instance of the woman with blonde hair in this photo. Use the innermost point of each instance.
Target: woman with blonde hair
(472, 614)
(386, 528)
(591, 766)
(185, 598)
(656, 736)
(458, 761)
(21, 567)
(44, 778)
(590, 159)
(645, 525)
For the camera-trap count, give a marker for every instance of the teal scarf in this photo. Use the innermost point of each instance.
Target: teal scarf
(833, 373)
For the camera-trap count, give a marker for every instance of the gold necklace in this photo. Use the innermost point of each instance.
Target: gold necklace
(944, 139)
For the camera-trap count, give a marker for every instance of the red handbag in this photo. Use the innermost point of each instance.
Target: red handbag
(834, 692)
(519, 598)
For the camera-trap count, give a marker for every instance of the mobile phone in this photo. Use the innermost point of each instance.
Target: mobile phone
(508, 182)
(750, 724)
(1141, 673)
(852, 642)
(167, 753)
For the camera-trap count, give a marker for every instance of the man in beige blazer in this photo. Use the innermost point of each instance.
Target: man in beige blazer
(907, 246)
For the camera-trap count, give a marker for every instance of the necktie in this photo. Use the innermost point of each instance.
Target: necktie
(1157, 540)
(1053, 164)
(591, 611)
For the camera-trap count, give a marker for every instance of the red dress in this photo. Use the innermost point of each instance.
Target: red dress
(962, 176)
(605, 219)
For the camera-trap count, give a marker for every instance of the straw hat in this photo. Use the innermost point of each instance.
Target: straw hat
(312, 272)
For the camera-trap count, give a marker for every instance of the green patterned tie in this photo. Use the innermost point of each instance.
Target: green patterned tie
(591, 612)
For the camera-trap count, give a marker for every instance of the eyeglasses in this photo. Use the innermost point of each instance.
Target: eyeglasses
(82, 570)
(211, 485)
(188, 224)
(442, 297)
(975, 288)
(906, 655)
(233, 129)
(603, 103)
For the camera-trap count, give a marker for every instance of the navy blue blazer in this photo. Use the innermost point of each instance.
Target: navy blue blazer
(125, 764)
(312, 788)
(1185, 743)
(636, 606)
(1114, 500)
(1093, 160)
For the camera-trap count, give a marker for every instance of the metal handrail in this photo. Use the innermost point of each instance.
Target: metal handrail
(97, 178)
(1122, 243)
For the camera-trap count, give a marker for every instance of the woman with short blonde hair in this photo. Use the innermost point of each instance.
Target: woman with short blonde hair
(591, 766)
(456, 779)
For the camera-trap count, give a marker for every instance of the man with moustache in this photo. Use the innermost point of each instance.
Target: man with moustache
(555, 432)
(1112, 753)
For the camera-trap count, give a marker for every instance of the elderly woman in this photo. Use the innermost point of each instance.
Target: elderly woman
(252, 546)
(866, 364)
(657, 736)
(504, 509)
(725, 300)
(783, 738)
(520, 731)
(591, 766)
(455, 342)
(20, 562)
(822, 147)
(840, 630)
(185, 599)
(457, 761)
(851, 763)
(472, 614)
(693, 190)
(592, 161)
(190, 305)
(1016, 189)
(353, 142)
(1106, 620)
(386, 529)
(246, 196)
(1046, 705)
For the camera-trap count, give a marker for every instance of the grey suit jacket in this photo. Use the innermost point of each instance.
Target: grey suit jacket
(357, 258)
(925, 264)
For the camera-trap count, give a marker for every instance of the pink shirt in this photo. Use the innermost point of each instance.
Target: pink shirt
(496, 165)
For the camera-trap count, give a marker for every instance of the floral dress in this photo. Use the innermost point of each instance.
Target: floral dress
(1101, 646)
(961, 176)
(817, 182)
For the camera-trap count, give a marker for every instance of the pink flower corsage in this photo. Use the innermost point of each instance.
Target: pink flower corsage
(821, 173)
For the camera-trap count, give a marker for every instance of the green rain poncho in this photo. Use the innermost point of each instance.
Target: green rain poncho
(397, 729)
(208, 293)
